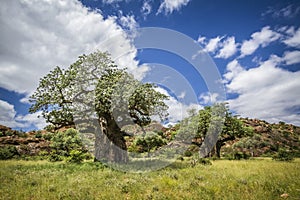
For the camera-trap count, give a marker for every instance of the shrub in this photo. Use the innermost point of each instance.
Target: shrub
(76, 156)
(237, 155)
(283, 155)
(188, 153)
(241, 155)
(204, 161)
(54, 157)
(38, 135)
(64, 142)
(150, 141)
(48, 136)
(9, 133)
(67, 145)
(8, 152)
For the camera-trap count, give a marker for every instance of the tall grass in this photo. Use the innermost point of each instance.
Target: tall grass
(251, 179)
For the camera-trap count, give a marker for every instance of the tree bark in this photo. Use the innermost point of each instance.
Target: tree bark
(110, 145)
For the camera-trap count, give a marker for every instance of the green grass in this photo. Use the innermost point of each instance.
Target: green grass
(251, 179)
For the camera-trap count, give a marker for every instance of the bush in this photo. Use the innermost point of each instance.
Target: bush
(283, 155)
(8, 152)
(48, 136)
(67, 145)
(38, 135)
(64, 142)
(241, 155)
(204, 161)
(76, 156)
(188, 153)
(150, 141)
(237, 155)
(54, 157)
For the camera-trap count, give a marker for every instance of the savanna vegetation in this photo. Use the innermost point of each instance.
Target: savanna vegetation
(247, 179)
(244, 158)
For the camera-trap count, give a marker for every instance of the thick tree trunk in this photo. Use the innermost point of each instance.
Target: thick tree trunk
(221, 143)
(218, 148)
(110, 144)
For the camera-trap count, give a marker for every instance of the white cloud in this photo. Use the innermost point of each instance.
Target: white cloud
(111, 1)
(262, 38)
(229, 48)
(146, 9)
(213, 44)
(39, 35)
(177, 110)
(10, 118)
(233, 69)
(265, 92)
(291, 57)
(128, 22)
(294, 39)
(208, 98)
(289, 11)
(201, 39)
(223, 47)
(168, 6)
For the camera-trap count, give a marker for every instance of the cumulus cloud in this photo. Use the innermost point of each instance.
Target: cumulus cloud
(291, 57)
(39, 35)
(233, 69)
(229, 48)
(177, 110)
(259, 39)
(265, 92)
(10, 118)
(213, 44)
(168, 6)
(294, 38)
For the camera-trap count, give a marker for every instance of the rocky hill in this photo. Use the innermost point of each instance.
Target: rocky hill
(30, 143)
(267, 138)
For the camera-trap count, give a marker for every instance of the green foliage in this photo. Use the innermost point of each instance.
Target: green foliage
(188, 153)
(38, 135)
(241, 155)
(76, 156)
(48, 136)
(54, 98)
(54, 157)
(95, 86)
(150, 141)
(204, 161)
(9, 133)
(67, 144)
(114, 89)
(50, 128)
(283, 155)
(8, 152)
(209, 120)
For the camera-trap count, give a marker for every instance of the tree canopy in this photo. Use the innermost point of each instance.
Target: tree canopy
(231, 128)
(95, 86)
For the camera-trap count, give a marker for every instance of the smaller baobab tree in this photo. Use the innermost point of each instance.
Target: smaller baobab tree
(218, 123)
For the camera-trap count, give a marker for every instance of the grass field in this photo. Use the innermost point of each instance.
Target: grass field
(248, 179)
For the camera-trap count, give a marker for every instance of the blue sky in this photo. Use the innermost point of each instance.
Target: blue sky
(255, 46)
